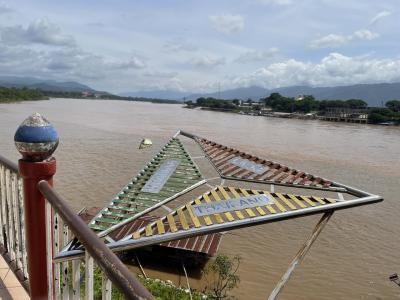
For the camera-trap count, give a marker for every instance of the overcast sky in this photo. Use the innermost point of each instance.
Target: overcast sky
(193, 46)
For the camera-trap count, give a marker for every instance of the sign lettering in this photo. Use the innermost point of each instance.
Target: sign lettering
(161, 176)
(232, 204)
(248, 165)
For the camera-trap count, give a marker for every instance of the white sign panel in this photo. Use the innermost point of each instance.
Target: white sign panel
(231, 205)
(248, 165)
(160, 177)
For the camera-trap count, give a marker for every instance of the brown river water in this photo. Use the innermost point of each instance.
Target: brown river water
(353, 256)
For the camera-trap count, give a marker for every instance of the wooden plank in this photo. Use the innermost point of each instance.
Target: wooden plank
(16, 221)
(206, 219)
(276, 203)
(236, 195)
(195, 220)
(106, 288)
(136, 235)
(76, 279)
(249, 211)
(295, 199)
(217, 216)
(89, 280)
(160, 227)
(217, 198)
(258, 208)
(65, 265)
(171, 223)
(320, 201)
(149, 230)
(56, 250)
(310, 202)
(182, 219)
(286, 201)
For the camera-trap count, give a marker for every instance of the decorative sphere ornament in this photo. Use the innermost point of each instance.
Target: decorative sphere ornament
(36, 139)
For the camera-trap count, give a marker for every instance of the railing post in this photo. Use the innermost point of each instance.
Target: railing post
(36, 139)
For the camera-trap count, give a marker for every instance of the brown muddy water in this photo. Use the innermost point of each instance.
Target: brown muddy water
(352, 258)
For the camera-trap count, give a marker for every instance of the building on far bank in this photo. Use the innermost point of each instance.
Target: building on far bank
(345, 114)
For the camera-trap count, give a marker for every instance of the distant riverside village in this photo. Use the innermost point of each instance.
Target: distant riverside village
(306, 107)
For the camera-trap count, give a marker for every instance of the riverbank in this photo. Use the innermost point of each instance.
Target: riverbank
(10, 95)
(343, 118)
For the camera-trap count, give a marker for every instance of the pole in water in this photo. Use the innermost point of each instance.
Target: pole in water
(36, 139)
(300, 255)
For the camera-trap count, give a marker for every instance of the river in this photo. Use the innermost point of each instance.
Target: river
(352, 258)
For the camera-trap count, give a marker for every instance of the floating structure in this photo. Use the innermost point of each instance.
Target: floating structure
(168, 203)
(346, 114)
(169, 174)
(145, 143)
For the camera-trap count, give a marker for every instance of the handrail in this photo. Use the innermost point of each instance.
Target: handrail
(115, 270)
(9, 164)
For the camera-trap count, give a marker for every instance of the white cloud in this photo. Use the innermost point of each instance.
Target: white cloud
(132, 63)
(275, 2)
(227, 24)
(337, 40)
(179, 45)
(207, 61)
(379, 16)
(257, 55)
(334, 69)
(364, 35)
(38, 32)
(4, 8)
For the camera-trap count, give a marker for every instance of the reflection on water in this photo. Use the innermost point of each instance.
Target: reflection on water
(352, 258)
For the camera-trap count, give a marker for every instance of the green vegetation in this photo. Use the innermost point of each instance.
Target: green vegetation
(24, 94)
(104, 96)
(390, 114)
(221, 276)
(158, 288)
(217, 104)
(308, 103)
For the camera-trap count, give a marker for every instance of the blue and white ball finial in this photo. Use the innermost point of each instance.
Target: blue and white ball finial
(36, 139)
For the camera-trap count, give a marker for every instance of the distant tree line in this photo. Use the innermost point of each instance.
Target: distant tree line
(105, 96)
(305, 104)
(390, 113)
(216, 103)
(308, 103)
(23, 94)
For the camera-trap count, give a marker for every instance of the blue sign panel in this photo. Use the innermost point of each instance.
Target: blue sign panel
(161, 176)
(248, 165)
(232, 204)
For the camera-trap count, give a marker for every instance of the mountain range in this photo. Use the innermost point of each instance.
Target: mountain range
(374, 94)
(44, 84)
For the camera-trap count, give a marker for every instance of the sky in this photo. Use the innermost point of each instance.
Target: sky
(199, 46)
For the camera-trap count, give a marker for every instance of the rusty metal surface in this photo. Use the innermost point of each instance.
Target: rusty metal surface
(207, 244)
(234, 164)
(115, 270)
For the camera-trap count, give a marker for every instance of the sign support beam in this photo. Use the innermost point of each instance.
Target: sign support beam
(300, 255)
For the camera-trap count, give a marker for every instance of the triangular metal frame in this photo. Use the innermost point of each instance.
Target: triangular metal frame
(134, 201)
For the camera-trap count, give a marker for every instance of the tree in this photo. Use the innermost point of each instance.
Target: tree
(393, 105)
(222, 272)
(356, 103)
(236, 102)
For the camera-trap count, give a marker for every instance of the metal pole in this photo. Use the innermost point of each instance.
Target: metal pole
(36, 140)
(300, 255)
